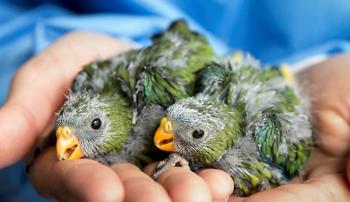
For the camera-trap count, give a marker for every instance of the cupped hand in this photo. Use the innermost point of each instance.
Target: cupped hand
(37, 92)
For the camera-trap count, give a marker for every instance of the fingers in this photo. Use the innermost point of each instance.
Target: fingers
(327, 188)
(39, 87)
(184, 185)
(220, 183)
(139, 186)
(333, 132)
(76, 180)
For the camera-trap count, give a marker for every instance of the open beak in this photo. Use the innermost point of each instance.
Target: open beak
(67, 145)
(164, 137)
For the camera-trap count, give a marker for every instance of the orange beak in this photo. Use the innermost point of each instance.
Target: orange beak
(164, 137)
(67, 145)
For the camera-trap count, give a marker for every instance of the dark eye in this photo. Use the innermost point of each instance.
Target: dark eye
(90, 89)
(96, 124)
(198, 133)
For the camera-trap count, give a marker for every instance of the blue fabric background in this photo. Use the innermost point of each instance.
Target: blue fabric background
(272, 31)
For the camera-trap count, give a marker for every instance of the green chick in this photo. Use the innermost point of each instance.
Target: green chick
(249, 122)
(116, 104)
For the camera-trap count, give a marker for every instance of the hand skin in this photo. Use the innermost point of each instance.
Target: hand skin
(327, 174)
(36, 93)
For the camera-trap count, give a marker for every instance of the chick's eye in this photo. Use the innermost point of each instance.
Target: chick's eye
(96, 124)
(90, 89)
(198, 133)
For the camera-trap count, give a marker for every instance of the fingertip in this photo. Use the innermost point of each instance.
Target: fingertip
(219, 182)
(184, 185)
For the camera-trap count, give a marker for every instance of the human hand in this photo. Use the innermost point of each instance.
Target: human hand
(36, 93)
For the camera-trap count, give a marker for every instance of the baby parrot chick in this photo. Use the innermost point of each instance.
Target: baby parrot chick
(249, 122)
(99, 125)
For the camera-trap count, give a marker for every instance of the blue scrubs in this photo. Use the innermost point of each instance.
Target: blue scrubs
(273, 31)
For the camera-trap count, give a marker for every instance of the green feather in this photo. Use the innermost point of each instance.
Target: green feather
(120, 115)
(169, 65)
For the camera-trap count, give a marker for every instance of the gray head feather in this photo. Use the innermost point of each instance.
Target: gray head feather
(78, 112)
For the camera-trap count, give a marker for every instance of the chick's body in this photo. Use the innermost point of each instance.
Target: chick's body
(246, 121)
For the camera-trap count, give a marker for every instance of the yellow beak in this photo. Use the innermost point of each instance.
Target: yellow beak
(67, 145)
(164, 137)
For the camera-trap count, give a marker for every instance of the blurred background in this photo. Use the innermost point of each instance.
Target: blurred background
(273, 31)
